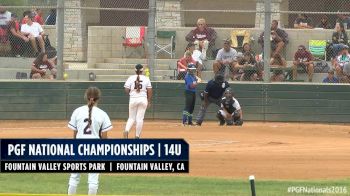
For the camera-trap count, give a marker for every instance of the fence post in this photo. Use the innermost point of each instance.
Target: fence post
(267, 41)
(151, 37)
(60, 38)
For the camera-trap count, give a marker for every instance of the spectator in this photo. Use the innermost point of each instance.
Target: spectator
(248, 66)
(279, 38)
(339, 40)
(344, 20)
(19, 42)
(39, 16)
(340, 36)
(226, 56)
(25, 16)
(277, 61)
(41, 66)
(5, 17)
(248, 48)
(324, 24)
(304, 59)
(342, 64)
(303, 22)
(203, 37)
(51, 18)
(35, 33)
(197, 57)
(212, 94)
(330, 77)
(183, 63)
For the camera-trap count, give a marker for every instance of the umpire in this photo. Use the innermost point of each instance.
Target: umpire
(212, 94)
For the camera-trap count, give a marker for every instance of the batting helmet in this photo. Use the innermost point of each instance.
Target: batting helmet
(191, 68)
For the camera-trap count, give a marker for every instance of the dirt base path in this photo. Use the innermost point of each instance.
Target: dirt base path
(267, 150)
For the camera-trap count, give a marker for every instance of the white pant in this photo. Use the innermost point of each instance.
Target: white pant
(224, 114)
(75, 179)
(137, 110)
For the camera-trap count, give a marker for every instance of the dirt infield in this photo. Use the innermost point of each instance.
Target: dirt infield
(267, 150)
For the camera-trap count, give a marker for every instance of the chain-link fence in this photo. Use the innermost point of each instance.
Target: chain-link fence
(104, 39)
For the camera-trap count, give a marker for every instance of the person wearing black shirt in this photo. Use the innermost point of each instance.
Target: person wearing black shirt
(213, 93)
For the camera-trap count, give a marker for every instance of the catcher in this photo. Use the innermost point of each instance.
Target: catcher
(230, 112)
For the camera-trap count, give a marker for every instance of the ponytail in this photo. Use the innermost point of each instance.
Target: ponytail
(90, 105)
(138, 81)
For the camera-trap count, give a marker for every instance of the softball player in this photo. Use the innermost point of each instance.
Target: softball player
(230, 112)
(139, 88)
(88, 122)
(190, 94)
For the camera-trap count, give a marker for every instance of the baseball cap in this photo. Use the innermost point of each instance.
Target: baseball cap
(31, 15)
(301, 47)
(344, 47)
(227, 41)
(14, 15)
(331, 71)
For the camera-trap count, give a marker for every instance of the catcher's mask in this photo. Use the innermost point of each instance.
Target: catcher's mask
(228, 93)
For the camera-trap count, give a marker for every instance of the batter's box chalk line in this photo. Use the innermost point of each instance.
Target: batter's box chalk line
(200, 143)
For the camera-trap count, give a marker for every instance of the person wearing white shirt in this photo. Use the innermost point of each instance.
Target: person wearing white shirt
(35, 33)
(139, 88)
(88, 122)
(226, 56)
(5, 17)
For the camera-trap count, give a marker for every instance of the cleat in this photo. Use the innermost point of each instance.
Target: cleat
(136, 137)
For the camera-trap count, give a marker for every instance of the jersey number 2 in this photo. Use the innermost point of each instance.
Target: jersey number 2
(140, 85)
(87, 130)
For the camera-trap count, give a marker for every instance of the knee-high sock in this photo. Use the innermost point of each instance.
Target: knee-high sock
(72, 190)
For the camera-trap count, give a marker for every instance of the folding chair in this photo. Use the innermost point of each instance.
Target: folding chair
(318, 49)
(163, 46)
(134, 37)
(239, 38)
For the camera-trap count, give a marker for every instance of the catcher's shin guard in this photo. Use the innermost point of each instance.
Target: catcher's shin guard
(221, 118)
(238, 121)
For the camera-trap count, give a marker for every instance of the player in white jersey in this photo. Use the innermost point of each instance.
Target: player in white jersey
(88, 122)
(139, 88)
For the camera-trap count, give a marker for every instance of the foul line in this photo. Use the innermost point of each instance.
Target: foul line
(211, 142)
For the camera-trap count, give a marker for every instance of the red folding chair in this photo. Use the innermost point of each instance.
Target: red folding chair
(134, 38)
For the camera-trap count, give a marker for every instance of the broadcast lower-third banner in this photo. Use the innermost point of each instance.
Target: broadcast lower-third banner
(95, 167)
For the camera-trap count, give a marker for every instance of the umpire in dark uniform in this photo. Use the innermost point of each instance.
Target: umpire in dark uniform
(212, 94)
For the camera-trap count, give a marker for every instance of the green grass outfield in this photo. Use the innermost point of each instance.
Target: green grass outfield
(159, 185)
